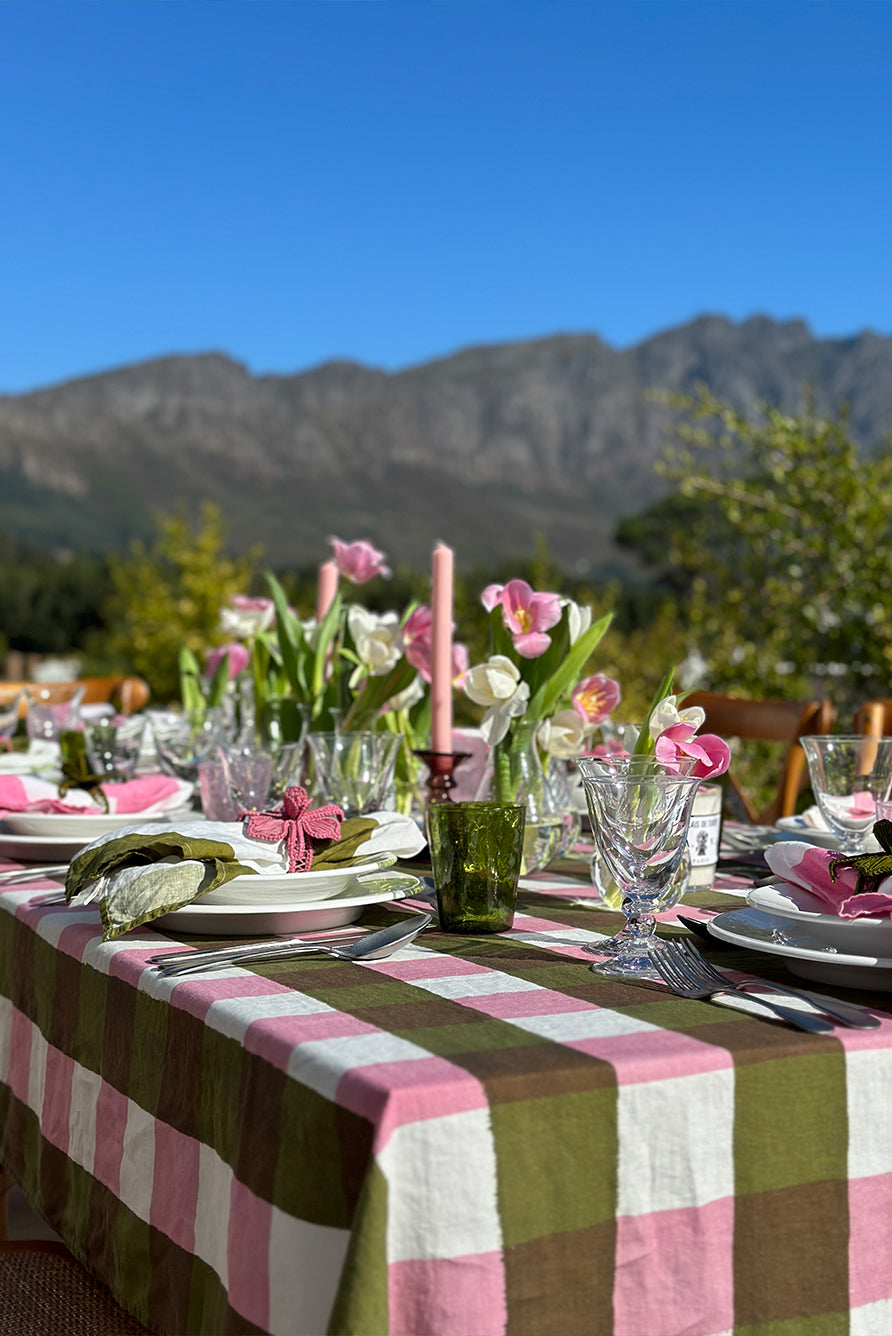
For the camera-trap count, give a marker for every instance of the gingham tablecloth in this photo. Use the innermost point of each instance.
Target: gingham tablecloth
(475, 1137)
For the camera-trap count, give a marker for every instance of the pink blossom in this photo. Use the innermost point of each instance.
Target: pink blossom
(712, 754)
(611, 748)
(239, 658)
(417, 640)
(491, 596)
(595, 697)
(418, 646)
(359, 561)
(461, 663)
(527, 615)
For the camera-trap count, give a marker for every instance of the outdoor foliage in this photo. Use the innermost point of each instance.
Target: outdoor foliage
(785, 547)
(168, 596)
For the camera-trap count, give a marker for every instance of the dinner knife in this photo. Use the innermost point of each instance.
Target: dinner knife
(348, 933)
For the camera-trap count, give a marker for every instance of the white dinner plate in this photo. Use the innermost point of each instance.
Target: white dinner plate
(40, 849)
(292, 888)
(858, 937)
(804, 955)
(309, 916)
(794, 828)
(71, 825)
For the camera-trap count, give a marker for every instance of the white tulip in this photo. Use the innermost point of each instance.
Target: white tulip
(404, 700)
(578, 619)
(242, 618)
(667, 715)
(496, 684)
(563, 735)
(378, 639)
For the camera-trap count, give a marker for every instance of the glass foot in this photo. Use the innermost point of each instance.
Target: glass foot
(611, 946)
(624, 966)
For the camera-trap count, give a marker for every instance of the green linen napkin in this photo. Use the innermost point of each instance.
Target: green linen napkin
(133, 881)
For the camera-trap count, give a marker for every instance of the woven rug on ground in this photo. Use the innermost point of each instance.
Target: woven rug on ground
(44, 1291)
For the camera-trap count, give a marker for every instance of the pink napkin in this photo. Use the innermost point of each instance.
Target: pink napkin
(807, 866)
(151, 793)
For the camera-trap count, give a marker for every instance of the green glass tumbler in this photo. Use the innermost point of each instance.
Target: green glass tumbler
(476, 851)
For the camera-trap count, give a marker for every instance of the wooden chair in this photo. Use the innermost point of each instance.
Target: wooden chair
(784, 721)
(874, 718)
(127, 694)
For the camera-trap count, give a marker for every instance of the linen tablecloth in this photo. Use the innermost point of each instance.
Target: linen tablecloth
(479, 1136)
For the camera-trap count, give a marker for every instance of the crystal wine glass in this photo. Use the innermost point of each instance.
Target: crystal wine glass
(640, 812)
(849, 773)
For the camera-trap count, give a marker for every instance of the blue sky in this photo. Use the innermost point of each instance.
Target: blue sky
(390, 180)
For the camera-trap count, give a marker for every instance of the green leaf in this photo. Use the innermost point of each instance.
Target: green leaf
(288, 631)
(562, 681)
(375, 693)
(219, 682)
(645, 744)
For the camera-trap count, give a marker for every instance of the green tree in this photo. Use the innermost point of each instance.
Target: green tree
(168, 596)
(785, 543)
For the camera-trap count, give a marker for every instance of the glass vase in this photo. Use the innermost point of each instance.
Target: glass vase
(516, 775)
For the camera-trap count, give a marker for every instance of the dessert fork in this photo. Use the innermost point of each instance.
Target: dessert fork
(702, 971)
(671, 970)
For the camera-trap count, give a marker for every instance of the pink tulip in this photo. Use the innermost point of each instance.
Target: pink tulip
(239, 658)
(527, 615)
(491, 596)
(461, 663)
(359, 561)
(712, 754)
(610, 749)
(418, 644)
(595, 697)
(417, 640)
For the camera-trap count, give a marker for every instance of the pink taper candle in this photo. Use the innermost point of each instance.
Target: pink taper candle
(328, 587)
(441, 650)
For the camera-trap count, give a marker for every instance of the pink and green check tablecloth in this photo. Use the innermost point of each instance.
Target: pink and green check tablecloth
(478, 1136)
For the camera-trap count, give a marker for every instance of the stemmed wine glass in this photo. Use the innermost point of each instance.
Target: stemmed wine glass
(849, 773)
(640, 811)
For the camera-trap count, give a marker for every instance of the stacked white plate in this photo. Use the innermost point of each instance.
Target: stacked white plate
(787, 921)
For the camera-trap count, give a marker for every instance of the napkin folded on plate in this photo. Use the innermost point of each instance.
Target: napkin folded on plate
(147, 796)
(143, 871)
(837, 886)
(150, 796)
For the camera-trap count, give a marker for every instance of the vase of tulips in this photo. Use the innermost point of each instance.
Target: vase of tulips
(539, 710)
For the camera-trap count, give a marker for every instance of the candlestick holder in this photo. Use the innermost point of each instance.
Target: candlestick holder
(441, 767)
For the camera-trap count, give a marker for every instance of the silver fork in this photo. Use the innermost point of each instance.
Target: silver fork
(671, 970)
(846, 1014)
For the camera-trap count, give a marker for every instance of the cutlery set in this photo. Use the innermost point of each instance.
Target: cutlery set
(689, 974)
(343, 944)
(678, 962)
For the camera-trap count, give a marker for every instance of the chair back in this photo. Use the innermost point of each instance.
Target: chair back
(777, 720)
(874, 718)
(127, 694)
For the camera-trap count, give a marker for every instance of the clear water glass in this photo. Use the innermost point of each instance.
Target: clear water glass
(353, 770)
(640, 813)
(849, 774)
(184, 741)
(113, 745)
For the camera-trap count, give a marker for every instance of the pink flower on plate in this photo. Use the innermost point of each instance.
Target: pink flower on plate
(527, 615)
(359, 561)
(595, 697)
(712, 754)
(239, 658)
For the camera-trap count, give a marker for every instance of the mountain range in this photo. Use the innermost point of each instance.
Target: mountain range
(482, 449)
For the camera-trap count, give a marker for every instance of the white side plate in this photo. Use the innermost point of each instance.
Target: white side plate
(309, 916)
(804, 955)
(809, 914)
